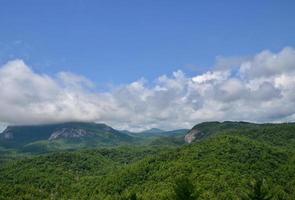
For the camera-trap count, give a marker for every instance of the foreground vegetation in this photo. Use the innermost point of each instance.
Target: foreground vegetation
(232, 161)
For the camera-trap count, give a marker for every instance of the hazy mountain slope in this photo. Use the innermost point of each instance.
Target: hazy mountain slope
(153, 133)
(158, 137)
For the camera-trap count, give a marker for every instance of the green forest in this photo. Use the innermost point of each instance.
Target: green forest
(230, 160)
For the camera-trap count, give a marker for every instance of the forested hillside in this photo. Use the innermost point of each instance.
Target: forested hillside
(230, 161)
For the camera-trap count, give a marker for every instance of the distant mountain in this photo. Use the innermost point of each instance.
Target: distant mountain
(63, 135)
(155, 132)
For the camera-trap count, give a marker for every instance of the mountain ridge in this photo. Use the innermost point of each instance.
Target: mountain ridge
(69, 132)
(206, 130)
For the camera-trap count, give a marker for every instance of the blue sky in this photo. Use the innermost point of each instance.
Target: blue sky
(146, 64)
(121, 41)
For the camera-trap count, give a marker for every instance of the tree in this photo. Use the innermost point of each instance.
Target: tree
(258, 191)
(130, 196)
(133, 196)
(184, 189)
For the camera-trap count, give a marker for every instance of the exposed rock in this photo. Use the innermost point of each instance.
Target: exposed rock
(69, 133)
(6, 134)
(193, 135)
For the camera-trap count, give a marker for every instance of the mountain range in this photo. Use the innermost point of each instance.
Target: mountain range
(76, 135)
(220, 160)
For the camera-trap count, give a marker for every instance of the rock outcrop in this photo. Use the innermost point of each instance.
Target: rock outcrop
(193, 135)
(69, 133)
(6, 134)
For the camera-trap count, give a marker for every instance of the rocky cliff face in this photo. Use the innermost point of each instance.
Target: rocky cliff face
(193, 135)
(6, 134)
(70, 133)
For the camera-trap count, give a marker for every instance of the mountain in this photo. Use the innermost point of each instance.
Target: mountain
(222, 163)
(155, 132)
(152, 131)
(76, 135)
(207, 129)
(275, 134)
(63, 135)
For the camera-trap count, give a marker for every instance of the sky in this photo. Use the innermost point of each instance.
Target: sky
(146, 64)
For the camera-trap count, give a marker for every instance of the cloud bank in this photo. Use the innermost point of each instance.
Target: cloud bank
(260, 88)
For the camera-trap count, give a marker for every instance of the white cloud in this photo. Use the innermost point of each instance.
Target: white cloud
(259, 88)
(211, 77)
(267, 64)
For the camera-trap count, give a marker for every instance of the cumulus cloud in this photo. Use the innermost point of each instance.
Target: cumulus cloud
(260, 88)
